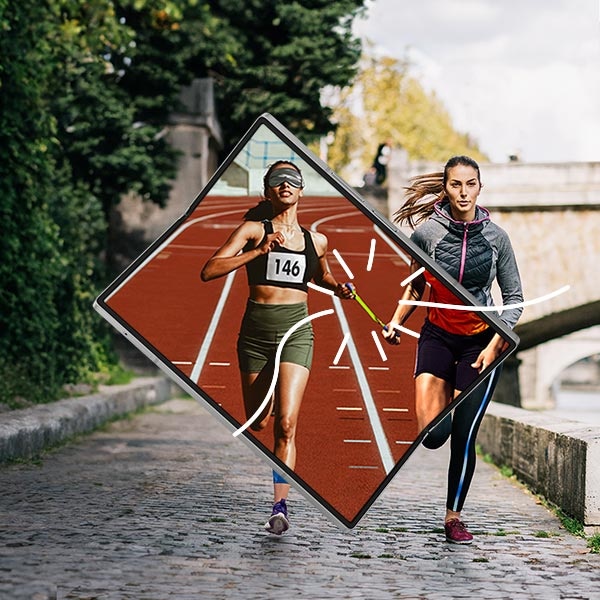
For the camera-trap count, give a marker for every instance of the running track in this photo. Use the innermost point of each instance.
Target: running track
(357, 417)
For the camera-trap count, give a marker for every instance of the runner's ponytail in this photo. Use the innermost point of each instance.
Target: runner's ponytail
(420, 196)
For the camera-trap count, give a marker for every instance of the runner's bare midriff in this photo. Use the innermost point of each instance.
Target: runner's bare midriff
(270, 294)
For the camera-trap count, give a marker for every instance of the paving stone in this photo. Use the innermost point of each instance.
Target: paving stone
(169, 505)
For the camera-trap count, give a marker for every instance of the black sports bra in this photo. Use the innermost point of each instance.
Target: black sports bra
(283, 267)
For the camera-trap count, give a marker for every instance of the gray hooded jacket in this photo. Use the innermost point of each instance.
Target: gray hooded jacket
(474, 253)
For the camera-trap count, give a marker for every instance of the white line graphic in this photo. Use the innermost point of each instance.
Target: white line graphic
(411, 277)
(371, 255)
(407, 331)
(271, 389)
(341, 348)
(318, 288)
(498, 308)
(379, 347)
(343, 263)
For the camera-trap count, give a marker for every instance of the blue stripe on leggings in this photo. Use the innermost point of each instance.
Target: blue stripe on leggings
(465, 458)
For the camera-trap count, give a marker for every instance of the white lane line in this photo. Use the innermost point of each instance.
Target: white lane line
(362, 467)
(348, 408)
(169, 240)
(380, 438)
(378, 368)
(339, 367)
(379, 434)
(407, 442)
(214, 322)
(358, 441)
(182, 362)
(219, 364)
(394, 409)
(316, 224)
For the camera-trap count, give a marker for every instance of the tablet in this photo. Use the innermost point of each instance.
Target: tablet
(357, 423)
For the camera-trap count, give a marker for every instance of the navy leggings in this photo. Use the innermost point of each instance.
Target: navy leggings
(462, 426)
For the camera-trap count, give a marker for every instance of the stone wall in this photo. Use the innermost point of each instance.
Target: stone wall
(555, 458)
(196, 133)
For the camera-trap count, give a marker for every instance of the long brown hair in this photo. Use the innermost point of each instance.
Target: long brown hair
(425, 190)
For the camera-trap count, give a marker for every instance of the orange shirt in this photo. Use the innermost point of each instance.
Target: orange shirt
(461, 322)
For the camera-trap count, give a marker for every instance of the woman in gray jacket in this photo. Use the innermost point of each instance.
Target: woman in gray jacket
(456, 345)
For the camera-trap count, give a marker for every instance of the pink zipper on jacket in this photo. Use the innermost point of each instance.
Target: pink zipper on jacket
(463, 252)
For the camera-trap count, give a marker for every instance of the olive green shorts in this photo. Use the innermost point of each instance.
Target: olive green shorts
(263, 328)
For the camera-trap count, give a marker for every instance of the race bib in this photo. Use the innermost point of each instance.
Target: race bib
(286, 268)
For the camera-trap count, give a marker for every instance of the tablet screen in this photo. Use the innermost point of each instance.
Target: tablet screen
(356, 424)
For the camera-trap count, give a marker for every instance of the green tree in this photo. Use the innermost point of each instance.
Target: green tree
(285, 55)
(392, 104)
(52, 223)
(113, 145)
(30, 261)
(87, 89)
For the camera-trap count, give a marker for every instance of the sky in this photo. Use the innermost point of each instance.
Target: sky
(520, 76)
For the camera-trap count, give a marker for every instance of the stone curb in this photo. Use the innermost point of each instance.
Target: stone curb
(553, 457)
(25, 433)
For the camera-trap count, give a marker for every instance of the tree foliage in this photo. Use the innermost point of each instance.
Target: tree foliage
(286, 54)
(387, 102)
(87, 87)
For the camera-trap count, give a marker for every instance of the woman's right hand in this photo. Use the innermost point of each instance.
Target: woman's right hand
(390, 334)
(270, 242)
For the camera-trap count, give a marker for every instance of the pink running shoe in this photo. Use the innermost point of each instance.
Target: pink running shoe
(456, 532)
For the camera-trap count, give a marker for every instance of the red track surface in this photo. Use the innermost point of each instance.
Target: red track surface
(168, 304)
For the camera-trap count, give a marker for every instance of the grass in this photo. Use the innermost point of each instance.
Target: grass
(89, 384)
(542, 534)
(570, 524)
(573, 526)
(114, 375)
(503, 533)
(594, 543)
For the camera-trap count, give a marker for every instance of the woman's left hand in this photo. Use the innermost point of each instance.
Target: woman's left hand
(489, 354)
(483, 360)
